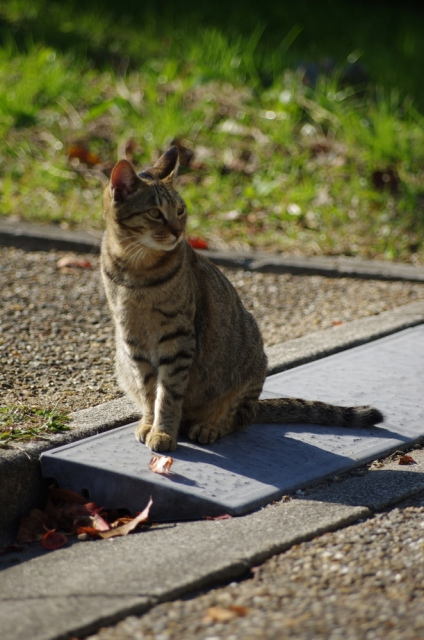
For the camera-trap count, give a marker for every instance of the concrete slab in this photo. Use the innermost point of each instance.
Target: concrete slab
(249, 469)
(319, 344)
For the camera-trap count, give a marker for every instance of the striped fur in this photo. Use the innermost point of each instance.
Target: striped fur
(187, 352)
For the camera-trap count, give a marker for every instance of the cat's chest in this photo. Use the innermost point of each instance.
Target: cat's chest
(136, 317)
(144, 320)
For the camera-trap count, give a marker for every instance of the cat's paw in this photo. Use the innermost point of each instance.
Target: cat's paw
(204, 433)
(142, 431)
(160, 441)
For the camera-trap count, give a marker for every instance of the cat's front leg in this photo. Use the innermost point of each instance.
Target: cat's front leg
(145, 425)
(170, 393)
(145, 380)
(163, 435)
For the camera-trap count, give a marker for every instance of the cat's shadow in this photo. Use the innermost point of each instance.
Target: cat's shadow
(269, 453)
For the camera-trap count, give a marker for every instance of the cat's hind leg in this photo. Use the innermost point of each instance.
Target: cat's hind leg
(224, 415)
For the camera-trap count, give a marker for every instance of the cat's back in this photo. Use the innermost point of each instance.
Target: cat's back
(226, 331)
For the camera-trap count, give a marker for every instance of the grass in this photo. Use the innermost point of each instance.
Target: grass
(20, 423)
(307, 129)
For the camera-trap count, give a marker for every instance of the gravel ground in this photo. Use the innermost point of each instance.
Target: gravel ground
(56, 340)
(364, 582)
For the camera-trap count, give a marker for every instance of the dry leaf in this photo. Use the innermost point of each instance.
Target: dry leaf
(73, 261)
(82, 154)
(407, 460)
(160, 464)
(95, 522)
(120, 521)
(224, 614)
(224, 516)
(69, 513)
(123, 529)
(53, 540)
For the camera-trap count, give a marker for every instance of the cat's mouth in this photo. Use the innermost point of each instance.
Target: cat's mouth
(167, 243)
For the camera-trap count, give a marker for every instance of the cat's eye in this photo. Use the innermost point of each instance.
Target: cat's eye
(180, 211)
(155, 213)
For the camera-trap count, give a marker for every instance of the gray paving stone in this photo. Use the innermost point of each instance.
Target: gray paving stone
(252, 468)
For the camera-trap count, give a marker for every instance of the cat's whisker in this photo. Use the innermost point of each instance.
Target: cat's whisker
(136, 257)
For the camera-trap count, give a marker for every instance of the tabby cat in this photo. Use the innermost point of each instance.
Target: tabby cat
(187, 352)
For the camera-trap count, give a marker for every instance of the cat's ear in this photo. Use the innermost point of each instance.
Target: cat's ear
(167, 166)
(123, 181)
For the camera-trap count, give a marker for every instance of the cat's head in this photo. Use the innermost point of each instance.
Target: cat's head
(144, 208)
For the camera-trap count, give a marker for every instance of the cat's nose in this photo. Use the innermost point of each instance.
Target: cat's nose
(176, 231)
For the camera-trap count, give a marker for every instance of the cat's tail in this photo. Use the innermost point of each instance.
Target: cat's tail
(296, 410)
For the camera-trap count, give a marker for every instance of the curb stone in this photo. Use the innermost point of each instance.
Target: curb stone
(23, 487)
(34, 237)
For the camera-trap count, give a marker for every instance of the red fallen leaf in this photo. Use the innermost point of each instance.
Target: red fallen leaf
(160, 464)
(95, 522)
(92, 508)
(69, 516)
(197, 243)
(123, 529)
(53, 540)
(66, 509)
(82, 154)
(99, 523)
(71, 261)
(407, 460)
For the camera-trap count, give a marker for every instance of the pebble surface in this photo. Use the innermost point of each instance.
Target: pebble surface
(56, 339)
(364, 582)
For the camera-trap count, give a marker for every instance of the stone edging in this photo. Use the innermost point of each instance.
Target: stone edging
(45, 237)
